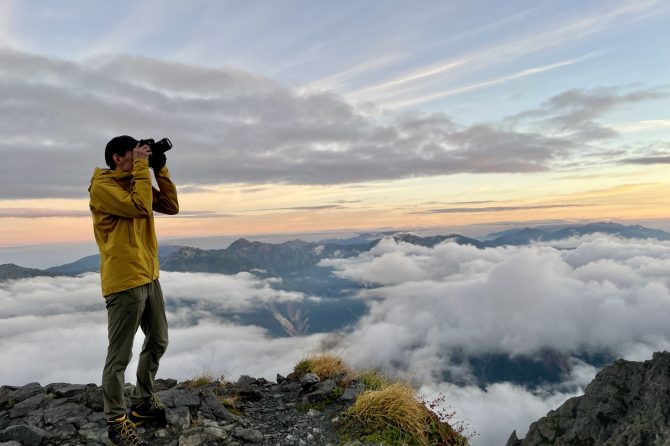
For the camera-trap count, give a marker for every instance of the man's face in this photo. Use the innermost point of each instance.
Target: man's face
(124, 163)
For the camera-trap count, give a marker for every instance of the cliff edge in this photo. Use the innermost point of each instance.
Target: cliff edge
(627, 403)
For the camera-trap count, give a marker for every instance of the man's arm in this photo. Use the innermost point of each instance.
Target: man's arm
(111, 198)
(165, 199)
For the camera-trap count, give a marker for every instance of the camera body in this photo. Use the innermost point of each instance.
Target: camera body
(158, 149)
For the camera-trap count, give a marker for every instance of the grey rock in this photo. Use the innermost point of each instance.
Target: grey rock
(180, 397)
(322, 391)
(25, 434)
(49, 388)
(161, 433)
(248, 393)
(62, 431)
(351, 393)
(92, 398)
(94, 432)
(212, 407)
(34, 418)
(628, 403)
(67, 413)
(308, 380)
(513, 440)
(164, 384)
(69, 391)
(179, 417)
(25, 392)
(5, 398)
(250, 435)
(202, 435)
(290, 387)
(313, 413)
(27, 405)
(245, 380)
(280, 379)
(10, 443)
(96, 417)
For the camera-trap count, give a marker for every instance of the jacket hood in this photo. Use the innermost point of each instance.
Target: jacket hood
(99, 173)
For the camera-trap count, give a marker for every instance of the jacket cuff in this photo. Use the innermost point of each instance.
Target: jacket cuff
(163, 171)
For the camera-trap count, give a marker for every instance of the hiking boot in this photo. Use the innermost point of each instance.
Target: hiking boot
(150, 409)
(121, 432)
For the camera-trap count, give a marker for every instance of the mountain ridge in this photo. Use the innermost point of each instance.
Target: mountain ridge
(286, 257)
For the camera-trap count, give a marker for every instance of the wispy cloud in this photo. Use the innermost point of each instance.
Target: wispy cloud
(480, 85)
(641, 126)
(648, 160)
(41, 213)
(302, 208)
(421, 82)
(339, 80)
(7, 37)
(499, 208)
(215, 115)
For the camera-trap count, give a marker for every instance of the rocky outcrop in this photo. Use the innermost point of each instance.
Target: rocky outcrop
(628, 403)
(249, 412)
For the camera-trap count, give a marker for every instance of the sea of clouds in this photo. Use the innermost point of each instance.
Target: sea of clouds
(591, 294)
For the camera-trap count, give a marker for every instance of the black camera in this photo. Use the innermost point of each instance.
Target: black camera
(158, 149)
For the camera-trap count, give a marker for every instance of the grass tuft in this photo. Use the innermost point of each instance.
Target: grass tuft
(325, 367)
(230, 401)
(200, 381)
(393, 415)
(374, 380)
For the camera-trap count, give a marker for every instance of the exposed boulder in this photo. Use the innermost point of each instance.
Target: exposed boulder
(628, 403)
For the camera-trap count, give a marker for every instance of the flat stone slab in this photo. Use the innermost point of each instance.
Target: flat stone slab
(25, 434)
(67, 413)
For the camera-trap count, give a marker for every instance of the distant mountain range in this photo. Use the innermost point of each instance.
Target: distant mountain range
(297, 256)
(296, 263)
(523, 236)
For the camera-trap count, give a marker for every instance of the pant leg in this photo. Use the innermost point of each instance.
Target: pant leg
(124, 313)
(154, 326)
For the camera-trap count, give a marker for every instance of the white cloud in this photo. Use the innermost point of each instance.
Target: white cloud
(605, 295)
(494, 412)
(273, 133)
(62, 321)
(241, 292)
(590, 294)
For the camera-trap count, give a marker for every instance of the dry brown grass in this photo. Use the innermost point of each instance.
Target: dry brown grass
(394, 406)
(200, 381)
(396, 412)
(325, 366)
(373, 380)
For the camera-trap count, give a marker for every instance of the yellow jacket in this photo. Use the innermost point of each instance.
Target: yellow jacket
(122, 204)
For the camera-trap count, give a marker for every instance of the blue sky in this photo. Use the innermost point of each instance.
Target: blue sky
(353, 48)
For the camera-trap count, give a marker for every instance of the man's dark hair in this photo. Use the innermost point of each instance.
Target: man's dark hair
(118, 146)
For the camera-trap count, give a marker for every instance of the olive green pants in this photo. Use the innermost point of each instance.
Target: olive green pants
(142, 306)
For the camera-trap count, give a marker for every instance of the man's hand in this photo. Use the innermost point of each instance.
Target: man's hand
(141, 152)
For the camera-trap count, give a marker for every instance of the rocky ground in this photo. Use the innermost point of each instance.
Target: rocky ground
(627, 404)
(290, 412)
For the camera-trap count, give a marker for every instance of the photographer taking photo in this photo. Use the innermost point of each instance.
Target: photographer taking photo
(122, 202)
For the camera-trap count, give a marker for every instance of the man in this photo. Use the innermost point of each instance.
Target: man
(122, 203)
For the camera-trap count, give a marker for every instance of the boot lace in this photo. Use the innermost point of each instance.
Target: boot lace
(128, 433)
(156, 402)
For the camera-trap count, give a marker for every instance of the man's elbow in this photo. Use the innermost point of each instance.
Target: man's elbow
(172, 209)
